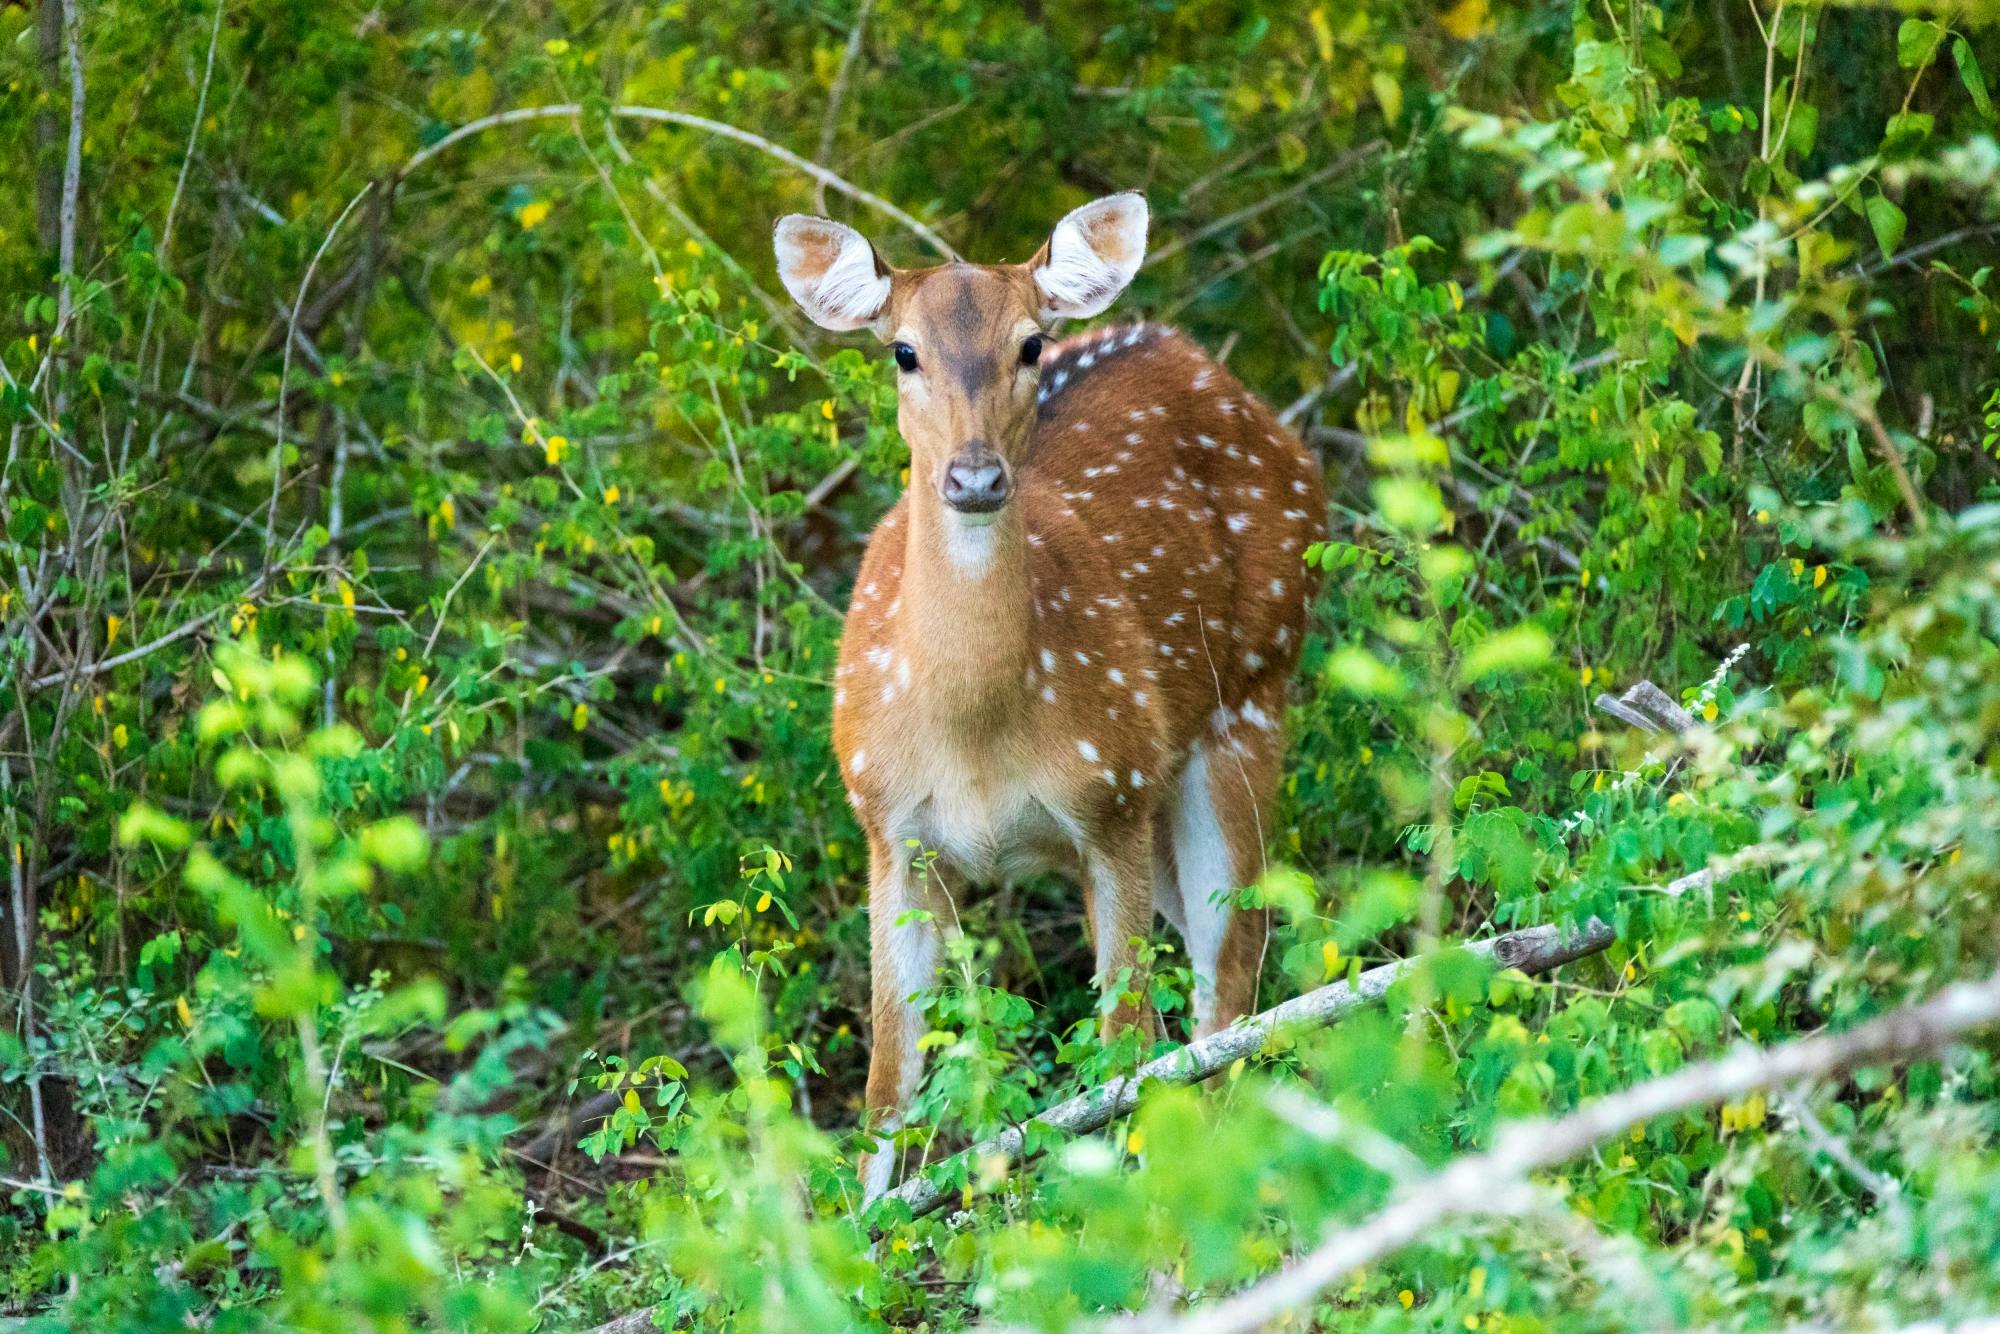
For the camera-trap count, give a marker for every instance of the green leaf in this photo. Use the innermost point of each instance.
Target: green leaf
(1520, 648)
(1917, 42)
(1364, 674)
(396, 844)
(142, 823)
(1888, 222)
(1970, 75)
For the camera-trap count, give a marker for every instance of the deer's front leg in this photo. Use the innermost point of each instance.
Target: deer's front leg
(902, 961)
(1119, 889)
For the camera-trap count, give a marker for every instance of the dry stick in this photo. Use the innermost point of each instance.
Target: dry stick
(568, 110)
(1490, 1181)
(1533, 950)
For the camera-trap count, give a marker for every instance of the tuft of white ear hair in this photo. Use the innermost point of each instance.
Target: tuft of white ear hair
(831, 271)
(1091, 256)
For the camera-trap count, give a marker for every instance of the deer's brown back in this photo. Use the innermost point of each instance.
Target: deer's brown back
(1156, 482)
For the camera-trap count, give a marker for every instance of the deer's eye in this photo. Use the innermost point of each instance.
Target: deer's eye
(906, 356)
(1031, 350)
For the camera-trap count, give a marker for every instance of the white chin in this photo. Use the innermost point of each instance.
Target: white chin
(971, 520)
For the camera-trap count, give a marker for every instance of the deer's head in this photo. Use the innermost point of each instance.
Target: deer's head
(966, 337)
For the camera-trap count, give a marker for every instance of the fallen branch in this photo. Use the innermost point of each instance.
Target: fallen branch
(1534, 950)
(1492, 1181)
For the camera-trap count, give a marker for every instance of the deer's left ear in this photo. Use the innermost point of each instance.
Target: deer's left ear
(831, 271)
(1090, 257)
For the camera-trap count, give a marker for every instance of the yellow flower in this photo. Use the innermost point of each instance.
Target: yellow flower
(1135, 1143)
(580, 718)
(826, 409)
(1329, 955)
(611, 495)
(111, 624)
(181, 1009)
(448, 512)
(555, 46)
(120, 737)
(1584, 675)
(515, 363)
(764, 901)
(1819, 575)
(1798, 568)
(1763, 516)
(532, 215)
(554, 448)
(481, 285)
(1709, 711)
(1407, 1298)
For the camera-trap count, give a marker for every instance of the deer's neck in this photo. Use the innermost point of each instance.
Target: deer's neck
(966, 615)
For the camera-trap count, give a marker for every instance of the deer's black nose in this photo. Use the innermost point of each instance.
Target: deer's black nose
(975, 480)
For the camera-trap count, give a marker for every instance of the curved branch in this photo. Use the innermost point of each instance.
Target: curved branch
(571, 110)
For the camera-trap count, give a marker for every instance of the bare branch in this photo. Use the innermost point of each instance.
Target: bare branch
(179, 632)
(1534, 950)
(567, 110)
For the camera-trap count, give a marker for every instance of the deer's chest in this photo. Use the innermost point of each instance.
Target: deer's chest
(992, 812)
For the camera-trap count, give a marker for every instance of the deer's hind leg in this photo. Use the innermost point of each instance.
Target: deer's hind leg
(1221, 819)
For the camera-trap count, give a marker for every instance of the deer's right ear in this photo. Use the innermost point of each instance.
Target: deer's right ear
(831, 271)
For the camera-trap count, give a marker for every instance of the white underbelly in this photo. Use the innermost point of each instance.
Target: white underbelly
(988, 832)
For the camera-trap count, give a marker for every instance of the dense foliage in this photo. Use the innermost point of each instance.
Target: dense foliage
(425, 540)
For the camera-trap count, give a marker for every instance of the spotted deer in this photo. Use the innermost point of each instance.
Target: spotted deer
(1069, 642)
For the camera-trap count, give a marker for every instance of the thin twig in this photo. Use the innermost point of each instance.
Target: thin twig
(1264, 205)
(285, 373)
